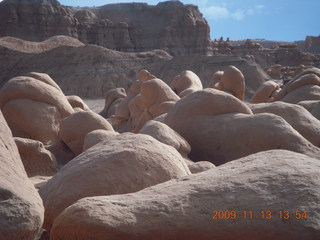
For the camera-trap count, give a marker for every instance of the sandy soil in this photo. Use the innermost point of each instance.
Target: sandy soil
(95, 105)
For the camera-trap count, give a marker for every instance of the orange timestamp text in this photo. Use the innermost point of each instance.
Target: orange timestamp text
(263, 214)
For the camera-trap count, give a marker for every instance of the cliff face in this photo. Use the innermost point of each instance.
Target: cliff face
(172, 26)
(312, 44)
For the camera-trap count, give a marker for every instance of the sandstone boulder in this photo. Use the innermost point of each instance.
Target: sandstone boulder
(197, 167)
(21, 209)
(298, 89)
(265, 92)
(77, 102)
(32, 119)
(37, 90)
(74, 128)
(35, 158)
(312, 106)
(112, 98)
(221, 128)
(268, 195)
(305, 93)
(231, 81)
(298, 117)
(155, 99)
(166, 135)
(96, 136)
(34, 106)
(124, 164)
(185, 83)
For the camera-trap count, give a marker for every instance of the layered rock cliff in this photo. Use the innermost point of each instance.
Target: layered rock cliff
(134, 27)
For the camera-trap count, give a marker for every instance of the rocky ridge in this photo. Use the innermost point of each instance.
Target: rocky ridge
(90, 71)
(181, 29)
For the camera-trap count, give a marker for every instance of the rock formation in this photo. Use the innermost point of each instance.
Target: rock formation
(298, 117)
(34, 106)
(166, 135)
(249, 199)
(304, 86)
(207, 113)
(74, 128)
(181, 29)
(186, 82)
(232, 81)
(107, 69)
(266, 92)
(123, 164)
(313, 106)
(37, 160)
(21, 209)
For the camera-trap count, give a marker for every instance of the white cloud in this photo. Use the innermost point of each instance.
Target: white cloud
(259, 6)
(216, 13)
(239, 14)
(224, 11)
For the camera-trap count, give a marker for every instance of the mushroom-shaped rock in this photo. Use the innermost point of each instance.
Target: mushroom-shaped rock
(123, 164)
(112, 98)
(185, 83)
(96, 136)
(34, 107)
(21, 209)
(221, 128)
(232, 81)
(35, 158)
(215, 78)
(74, 128)
(312, 106)
(156, 98)
(298, 117)
(215, 204)
(165, 134)
(265, 92)
(77, 102)
(122, 111)
(156, 91)
(43, 77)
(37, 90)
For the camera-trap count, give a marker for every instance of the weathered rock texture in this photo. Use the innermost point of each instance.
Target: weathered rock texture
(232, 81)
(266, 92)
(183, 209)
(221, 128)
(304, 86)
(35, 158)
(166, 135)
(298, 117)
(74, 128)
(90, 71)
(21, 209)
(311, 44)
(17, 44)
(312, 106)
(123, 164)
(186, 82)
(181, 29)
(34, 106)
(96, 136)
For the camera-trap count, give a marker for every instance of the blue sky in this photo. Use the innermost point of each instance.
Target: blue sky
(286, 20)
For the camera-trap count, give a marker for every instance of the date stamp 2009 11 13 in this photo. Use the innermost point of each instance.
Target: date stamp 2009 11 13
(263, 214)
